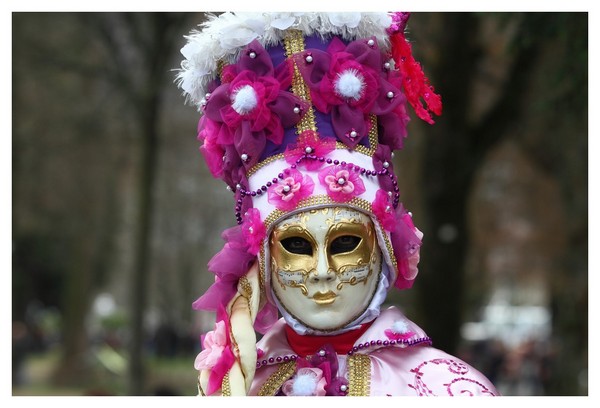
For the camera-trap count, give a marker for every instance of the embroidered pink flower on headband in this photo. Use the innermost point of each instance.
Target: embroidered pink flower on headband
(342, 185)
(288, 192)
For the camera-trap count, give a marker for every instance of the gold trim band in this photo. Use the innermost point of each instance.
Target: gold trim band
(359, 375)
(284, 372)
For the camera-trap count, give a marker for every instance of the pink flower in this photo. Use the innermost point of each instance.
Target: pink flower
(309, 144)
(384, 211)
(217, 356)
(253, 230)
(342, 185)
(286, 194)
(307, 382)
(214, 343)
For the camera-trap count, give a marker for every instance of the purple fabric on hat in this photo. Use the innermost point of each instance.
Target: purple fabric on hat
(365, 54)
(392, 130)
(284, 106)
(350, 119)
(249, 143)
(383, 154)
(231, 164)
(383, 104)
(261, 64)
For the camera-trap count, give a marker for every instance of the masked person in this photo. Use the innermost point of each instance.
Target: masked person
(300, 115)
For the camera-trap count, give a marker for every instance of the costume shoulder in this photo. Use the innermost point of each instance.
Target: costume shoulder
(418, 369)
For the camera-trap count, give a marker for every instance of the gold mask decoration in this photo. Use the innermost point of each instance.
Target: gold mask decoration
(325, 266)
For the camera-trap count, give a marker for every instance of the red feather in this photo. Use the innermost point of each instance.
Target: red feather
(416, 84)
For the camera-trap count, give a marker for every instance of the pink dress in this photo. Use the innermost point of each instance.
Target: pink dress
(392, 357)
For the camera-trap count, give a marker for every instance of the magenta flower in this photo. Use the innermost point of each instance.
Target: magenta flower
(287, 193)
(253, 230)
(309, 144)
(384, 210)
(399, 331)
(341, 184)
(308, 381)
(348, 82)
(252, 104)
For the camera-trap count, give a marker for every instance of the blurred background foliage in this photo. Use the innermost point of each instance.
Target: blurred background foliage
(115, 215)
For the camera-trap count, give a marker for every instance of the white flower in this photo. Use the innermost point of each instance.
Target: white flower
(350, 20)
(283, 21)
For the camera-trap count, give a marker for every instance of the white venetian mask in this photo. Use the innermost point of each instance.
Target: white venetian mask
(325, 266)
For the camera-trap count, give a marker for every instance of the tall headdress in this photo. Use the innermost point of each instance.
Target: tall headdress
(298, 111)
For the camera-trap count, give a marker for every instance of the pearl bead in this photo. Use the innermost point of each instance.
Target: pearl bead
(308, 150)
(386, 164)
(238, 186)
(322, 353)
(203, 101)
(353, 134)
(286, 189)
(343, 388)
(387, 65)
(392, 155)
(296, 110)
(387, 208)
(244, 157)
(309, 58)
(207, 95)
(370, 43)
(251, 229)
(390, 95)
(228, 188)
(410, 214)
(390, 194)
(252, 54)
(341, 181)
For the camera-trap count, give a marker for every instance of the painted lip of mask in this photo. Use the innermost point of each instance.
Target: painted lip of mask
(326, 298)
(326, 266)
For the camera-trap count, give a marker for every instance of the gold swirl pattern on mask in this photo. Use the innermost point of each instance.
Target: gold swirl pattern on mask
(291, 283)
(341, 326)
(322, 201)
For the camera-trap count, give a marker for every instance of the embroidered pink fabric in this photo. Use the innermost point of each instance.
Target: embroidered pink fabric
(407, 367)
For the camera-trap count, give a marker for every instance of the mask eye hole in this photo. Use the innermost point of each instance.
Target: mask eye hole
(345, 243)
(297, 245)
